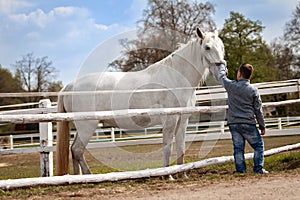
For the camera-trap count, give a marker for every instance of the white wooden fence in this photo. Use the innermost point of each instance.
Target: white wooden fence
(265, 88)
(19, 141)
(118, 176)
(45, 115)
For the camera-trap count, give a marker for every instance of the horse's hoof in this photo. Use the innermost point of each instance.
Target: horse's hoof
(170, 178)
(182, 175)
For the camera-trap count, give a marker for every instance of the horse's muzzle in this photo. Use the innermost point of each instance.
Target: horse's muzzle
(220, 63)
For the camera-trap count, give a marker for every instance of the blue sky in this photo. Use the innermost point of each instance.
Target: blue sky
(69, 31)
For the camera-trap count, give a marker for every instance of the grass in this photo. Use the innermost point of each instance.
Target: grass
(277, 164)
(28, 165)
(106, 160)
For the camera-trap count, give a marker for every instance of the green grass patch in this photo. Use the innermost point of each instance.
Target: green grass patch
(27, 165)
(277, 164)
(133, 157)
(284, 161)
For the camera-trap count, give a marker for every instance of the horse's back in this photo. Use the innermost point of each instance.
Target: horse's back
(127, 90)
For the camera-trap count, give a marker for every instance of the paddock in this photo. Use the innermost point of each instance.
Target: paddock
(46, 138)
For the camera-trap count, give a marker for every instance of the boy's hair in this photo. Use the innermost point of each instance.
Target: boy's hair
(246, 70)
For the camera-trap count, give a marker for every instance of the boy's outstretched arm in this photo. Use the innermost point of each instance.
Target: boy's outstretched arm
(221, 75)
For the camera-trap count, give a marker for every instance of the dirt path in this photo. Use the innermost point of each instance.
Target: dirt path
(266, 187)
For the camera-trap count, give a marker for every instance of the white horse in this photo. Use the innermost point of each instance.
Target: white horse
(173, 79)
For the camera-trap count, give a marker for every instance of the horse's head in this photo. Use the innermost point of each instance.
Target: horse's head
(212, 48)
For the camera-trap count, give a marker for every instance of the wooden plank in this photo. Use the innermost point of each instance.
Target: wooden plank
(280, 103)
(202, 93)
(278, 90)
(19, 105)
(30, 118)
(79, 116)
(52, 109)
(189, 138)
(211, 89)
(220, 93)
(130, 175)
(25, 150)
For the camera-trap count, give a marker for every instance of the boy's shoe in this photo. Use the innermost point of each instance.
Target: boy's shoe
(263, 171)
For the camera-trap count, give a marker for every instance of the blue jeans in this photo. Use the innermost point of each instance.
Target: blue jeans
(240, 133)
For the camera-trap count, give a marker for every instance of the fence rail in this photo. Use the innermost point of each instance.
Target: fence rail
(265, 88)
(115, 134)
(45, 114)
(131, 175)
(203, 94)
(102, 115)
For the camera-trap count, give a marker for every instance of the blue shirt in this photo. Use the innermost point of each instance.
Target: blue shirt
(244, 102)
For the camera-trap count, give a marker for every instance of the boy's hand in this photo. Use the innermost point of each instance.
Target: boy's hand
(263, 132)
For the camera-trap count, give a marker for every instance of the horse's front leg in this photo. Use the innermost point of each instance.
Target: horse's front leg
(180, 141)
(167, 147)
(167, 150)
(169, 128)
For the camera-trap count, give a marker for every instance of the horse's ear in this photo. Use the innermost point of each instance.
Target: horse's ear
(216, 33)
(200, 34)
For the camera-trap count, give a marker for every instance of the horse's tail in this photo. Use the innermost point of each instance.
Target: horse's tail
(63, 139)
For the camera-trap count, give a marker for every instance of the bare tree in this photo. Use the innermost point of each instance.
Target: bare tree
(292, 30)
(165, 24)
(35, 74)
(284, 59)
(292, 39)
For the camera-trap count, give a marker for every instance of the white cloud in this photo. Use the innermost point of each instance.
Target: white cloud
(37, 17)
(68, 11)
(68, 25)
(101, 26)
(42, 19)
(65, 34)
(12, 6)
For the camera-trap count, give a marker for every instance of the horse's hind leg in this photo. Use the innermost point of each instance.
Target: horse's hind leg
(79, 162)
(85, 130)
(74, 148)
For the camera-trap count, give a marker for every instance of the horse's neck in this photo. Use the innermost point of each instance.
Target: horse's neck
(188, 61)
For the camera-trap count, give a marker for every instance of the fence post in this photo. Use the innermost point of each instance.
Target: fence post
(298, 85)
(279, 123)
(222, 127)
(11, 142)
(113, 134)
(120, 132)
(46, 140)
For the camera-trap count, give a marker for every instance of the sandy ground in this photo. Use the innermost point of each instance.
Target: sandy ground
(267, 187)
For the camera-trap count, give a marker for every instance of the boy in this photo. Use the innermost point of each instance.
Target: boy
(244, 108)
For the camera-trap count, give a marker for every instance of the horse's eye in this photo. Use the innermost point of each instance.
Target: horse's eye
(207, 48)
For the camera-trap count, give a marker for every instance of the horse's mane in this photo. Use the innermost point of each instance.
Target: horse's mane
(168, 59)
